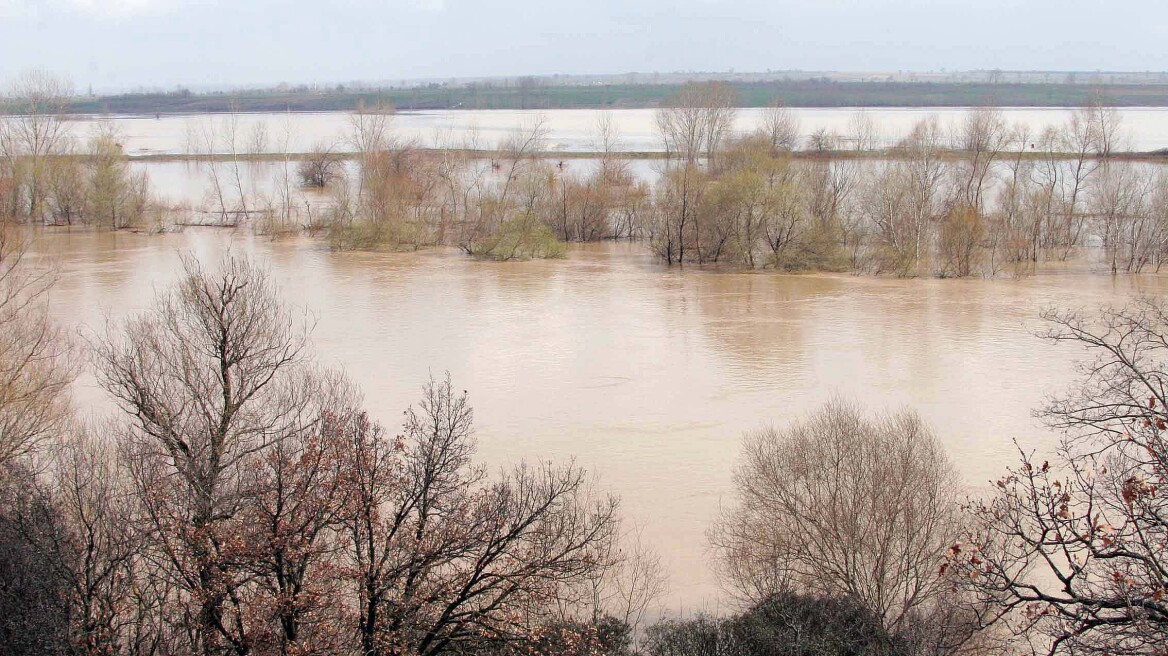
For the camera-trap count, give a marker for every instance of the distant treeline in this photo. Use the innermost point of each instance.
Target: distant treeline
(802, 93)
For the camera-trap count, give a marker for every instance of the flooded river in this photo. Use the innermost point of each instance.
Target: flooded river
(568, 130)
(647, 376)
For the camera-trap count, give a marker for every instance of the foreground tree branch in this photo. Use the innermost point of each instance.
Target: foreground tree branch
(1072, 549)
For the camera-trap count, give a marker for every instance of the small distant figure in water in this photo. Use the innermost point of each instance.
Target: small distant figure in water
(560, 165)
(157, 117)
(495, 165)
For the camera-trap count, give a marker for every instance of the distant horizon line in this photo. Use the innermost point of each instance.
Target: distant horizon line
(983, 75)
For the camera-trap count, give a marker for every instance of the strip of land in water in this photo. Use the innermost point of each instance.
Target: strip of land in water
(793, 93)
(1159, 156)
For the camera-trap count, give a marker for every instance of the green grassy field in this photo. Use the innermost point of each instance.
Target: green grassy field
(794, 94)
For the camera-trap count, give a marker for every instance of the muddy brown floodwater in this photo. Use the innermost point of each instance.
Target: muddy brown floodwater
(648, 376)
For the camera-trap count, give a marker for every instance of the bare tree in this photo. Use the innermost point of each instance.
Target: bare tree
(695, 120)
(959, 241)
(906, 199)
(292, 526)
(626, 584)
(1051, 224)
(497, 190)
(822, 141)
(1106, 124)
(781, 127)
(1088, 139)
(37, 132)
(445, 560)
(283, 208)
(517, 150)
(34, 369)
(843, 504)
(1072, 549)
(99, 555)
(885, 205)
(1015, 234)
(320, 167)
(980, 139)
(863, 131)
(606, 137)
(209, 379)
(204, 139)
(461, 181)
(1121, 204)
(66, 190)
(829, 187)
(676, 200)
(370, 133)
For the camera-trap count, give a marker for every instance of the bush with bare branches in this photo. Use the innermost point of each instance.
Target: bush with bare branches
(843, 504)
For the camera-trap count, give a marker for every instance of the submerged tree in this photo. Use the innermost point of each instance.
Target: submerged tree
(694, 121)
(117, 197)
(30, 139)
(320, 167)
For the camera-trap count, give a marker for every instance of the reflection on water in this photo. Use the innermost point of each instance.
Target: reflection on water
(647, 376)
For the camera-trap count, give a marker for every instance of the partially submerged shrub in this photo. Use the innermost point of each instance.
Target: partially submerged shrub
(366, 234)
(320, 168)
(817, 249)
(521, 238)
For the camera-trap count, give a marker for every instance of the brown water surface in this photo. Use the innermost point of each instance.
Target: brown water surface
(646, 375)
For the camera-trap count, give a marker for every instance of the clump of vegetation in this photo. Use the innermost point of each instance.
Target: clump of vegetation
(116, 197)
(45, 177)
(976, 199)
(786, 623)
(320, 168)
(372, 216)
(359, 233)
(520, 238)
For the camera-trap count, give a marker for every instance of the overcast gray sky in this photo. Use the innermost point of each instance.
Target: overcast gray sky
(162, 43)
